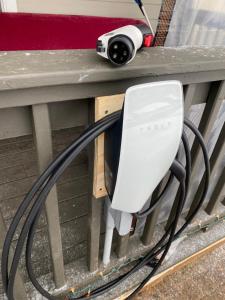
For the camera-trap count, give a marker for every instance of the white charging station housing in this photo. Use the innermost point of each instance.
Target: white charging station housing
(151, 132)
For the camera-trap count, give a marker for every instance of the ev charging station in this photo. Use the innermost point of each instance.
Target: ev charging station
(139, 150)
(141, 144)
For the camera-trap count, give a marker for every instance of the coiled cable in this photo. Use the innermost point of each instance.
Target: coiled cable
(37, 196)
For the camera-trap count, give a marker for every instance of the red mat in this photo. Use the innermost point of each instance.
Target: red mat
(20, 31)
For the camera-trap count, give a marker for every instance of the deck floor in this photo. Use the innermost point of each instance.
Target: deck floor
(204, 279)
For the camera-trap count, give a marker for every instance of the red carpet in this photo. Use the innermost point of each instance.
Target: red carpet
(20, 31)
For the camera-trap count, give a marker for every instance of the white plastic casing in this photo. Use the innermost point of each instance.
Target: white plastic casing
(130, 31)
(152, 129)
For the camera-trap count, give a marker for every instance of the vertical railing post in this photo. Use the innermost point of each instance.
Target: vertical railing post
(218, 194)
(94, 203)
(94, 226)
(215, 160)
(213, 104)
(42, 132)
(19, 289)
(190, 92)
(152, 219)
(122, 245)
(98, 109)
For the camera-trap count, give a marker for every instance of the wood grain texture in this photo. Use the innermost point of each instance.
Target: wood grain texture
(42, 133)
(103, 106)
(159, 277)
(79, 67)
(213, 104)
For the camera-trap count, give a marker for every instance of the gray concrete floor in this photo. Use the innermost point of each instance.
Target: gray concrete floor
(203, 279)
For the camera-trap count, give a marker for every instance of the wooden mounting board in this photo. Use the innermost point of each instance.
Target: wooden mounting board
(103, 106)
(175, 268)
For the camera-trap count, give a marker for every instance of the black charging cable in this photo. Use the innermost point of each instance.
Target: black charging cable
(158, 200)
(179, 172)
(36, 197)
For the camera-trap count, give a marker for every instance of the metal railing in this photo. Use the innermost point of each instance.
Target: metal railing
(42, 93)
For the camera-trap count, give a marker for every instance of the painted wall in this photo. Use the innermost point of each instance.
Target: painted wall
(8, 5)
(110, 8)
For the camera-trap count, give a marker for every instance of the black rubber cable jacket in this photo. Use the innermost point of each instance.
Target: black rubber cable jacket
(99, 289)
(107, 287)
(187, 181)
(28, 257)
(30, 270)
(38, 204)
(45, 172)
(21, 210)
(138, 266)
(157, 201)
(26, 202)
(169, 242)
(31, 274)
(103, 290)
(200, 139)
(150, 256)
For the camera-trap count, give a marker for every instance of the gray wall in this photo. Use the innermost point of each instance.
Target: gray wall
(115, 8)
(62, 115)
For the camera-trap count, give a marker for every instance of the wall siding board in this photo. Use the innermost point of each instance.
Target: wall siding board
(72, 208)
(18, 172)
(62, 115)
(124, 9)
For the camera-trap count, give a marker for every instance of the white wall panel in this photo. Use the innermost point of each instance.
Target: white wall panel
(107, 8)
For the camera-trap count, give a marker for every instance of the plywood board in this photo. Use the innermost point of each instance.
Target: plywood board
(103, 107)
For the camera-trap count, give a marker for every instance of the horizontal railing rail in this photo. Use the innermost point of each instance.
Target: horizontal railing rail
(44, 94)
